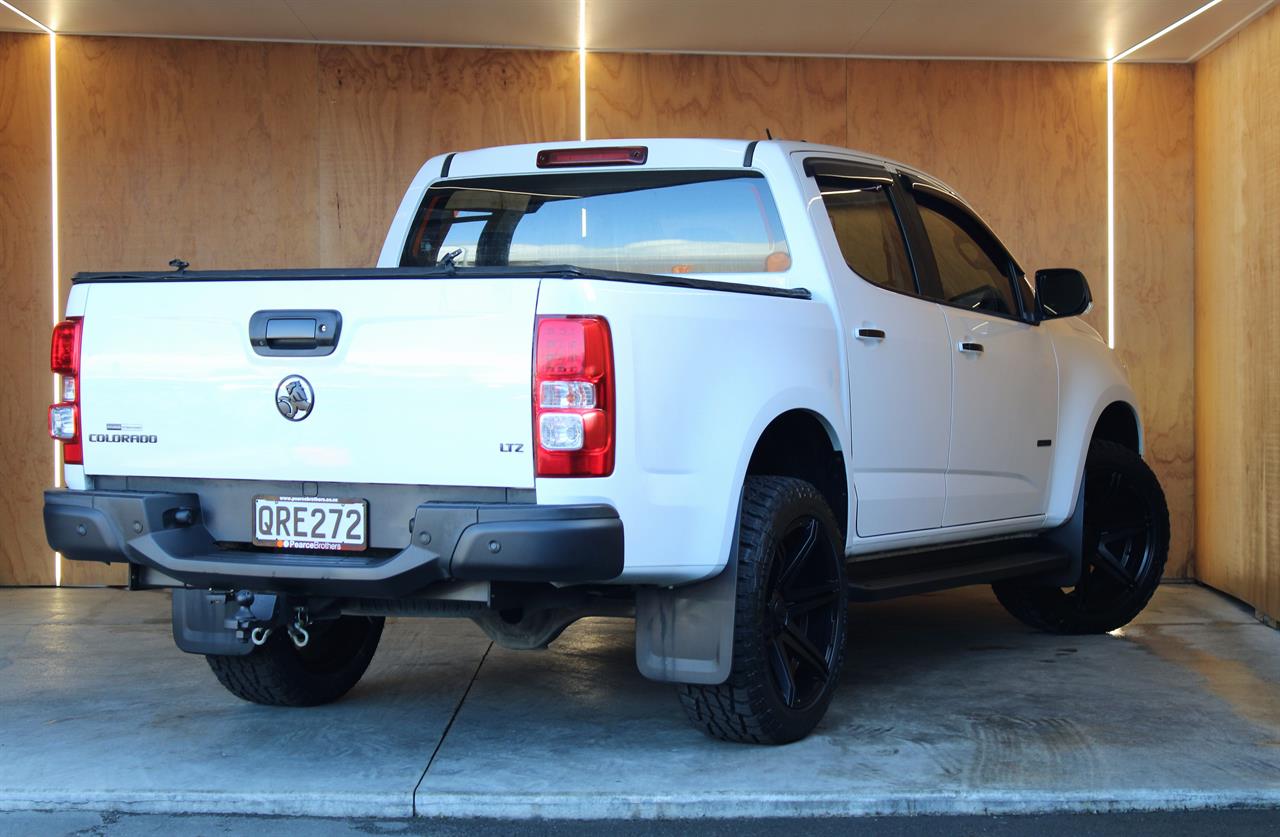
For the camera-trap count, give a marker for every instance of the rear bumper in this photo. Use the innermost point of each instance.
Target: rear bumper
(466, 541)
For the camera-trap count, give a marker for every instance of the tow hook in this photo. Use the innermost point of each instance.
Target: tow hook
(259, 636)
(298, 630)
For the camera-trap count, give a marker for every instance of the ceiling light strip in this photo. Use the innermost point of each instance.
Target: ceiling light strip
(1165, 31)
(1111, 160)
(28, 18)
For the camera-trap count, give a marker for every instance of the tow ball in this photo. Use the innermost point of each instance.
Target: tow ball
(251, 628)
(243, 621)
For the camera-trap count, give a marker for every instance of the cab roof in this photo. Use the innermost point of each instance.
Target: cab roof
(664, 153)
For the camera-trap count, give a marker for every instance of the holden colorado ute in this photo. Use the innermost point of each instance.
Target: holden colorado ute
(724, 387)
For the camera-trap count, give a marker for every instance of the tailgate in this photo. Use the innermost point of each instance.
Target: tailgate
(429, 382)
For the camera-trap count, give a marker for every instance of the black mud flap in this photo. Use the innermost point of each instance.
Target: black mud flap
(685, 634)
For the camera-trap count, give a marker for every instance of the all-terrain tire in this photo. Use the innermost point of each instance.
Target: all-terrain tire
(280, 674)
(755, 705)
(1126, 544)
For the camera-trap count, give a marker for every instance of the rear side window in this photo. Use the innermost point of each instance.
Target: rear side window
(973, 269)
(867, 230)
(669, 222)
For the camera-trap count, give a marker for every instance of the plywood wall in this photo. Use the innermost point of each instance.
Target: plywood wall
(26, 454)
(1155, 275)
(662, 95)
(238, 154)
(1025, 142)
(1237, 313)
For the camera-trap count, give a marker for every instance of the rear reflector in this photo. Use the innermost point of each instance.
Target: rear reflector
(62, 422)
(573, 392)
(628, 155)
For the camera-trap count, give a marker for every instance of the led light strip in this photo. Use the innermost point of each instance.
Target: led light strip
(53, 211)
(1111, 161)
(582, 69)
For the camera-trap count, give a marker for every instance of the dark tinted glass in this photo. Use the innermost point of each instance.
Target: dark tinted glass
(868, 232)
(639, 221)
(972, 267)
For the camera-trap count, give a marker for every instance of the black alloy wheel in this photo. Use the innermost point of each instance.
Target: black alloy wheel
(1126, 544)
(1119, 540)
(805, 613)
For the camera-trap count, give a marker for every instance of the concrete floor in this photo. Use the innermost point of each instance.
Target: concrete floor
(947, 706)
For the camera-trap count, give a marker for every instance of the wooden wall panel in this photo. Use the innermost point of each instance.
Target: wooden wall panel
(26, 454)
(204, 150)
(1155, 276)
(1024, 142)
(388, 109)
(664, 95)
(1237, 314)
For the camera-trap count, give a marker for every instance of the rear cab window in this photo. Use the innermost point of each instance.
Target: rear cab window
(659, 222)
(868, 230)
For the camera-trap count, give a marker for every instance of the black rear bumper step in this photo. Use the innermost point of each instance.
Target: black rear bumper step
(520, 542)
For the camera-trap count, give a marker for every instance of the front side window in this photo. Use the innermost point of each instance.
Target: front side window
(867, 229)
(973, 268)
(668, 222)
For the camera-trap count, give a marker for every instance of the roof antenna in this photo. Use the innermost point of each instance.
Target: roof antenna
(768, 134)
(179, 265)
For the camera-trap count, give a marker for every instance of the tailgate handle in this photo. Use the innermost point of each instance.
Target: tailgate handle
(284, 333)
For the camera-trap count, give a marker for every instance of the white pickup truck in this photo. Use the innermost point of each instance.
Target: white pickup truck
(725, 386)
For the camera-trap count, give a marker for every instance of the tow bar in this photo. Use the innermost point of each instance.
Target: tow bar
(250, 628)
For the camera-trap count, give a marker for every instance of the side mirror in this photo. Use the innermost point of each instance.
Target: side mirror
(1062, 292)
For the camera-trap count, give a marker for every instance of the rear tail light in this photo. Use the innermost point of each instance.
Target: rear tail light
(64, 417)
(573, 398)
(627, 155)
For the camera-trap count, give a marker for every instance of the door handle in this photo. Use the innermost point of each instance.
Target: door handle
(870, 334)
(975, 348)
(295, 333)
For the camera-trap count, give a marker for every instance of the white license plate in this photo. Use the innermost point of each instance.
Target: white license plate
(310, 523)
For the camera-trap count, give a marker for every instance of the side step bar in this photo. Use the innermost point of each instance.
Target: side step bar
(899, 574)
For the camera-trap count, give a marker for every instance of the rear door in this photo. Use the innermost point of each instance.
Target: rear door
(898, 355)
(1005, 375)
(428, 382)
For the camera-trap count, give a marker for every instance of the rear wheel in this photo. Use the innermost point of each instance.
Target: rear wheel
(790, 617)
(1126, 543)
(280, 674)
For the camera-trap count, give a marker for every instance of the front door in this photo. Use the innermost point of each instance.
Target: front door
(1004, 370)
